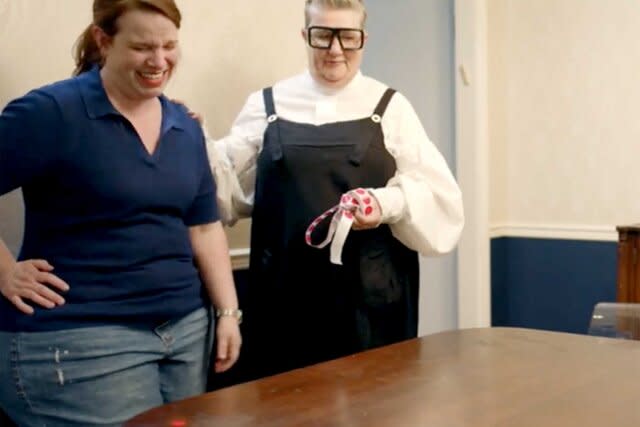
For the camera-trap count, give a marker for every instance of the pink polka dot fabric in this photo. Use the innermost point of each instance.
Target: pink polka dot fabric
(342, 216)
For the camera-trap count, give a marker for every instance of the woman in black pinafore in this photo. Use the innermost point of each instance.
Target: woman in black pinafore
(330, 310)
(292, 152)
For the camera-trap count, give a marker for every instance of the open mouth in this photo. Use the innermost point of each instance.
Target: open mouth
(151, 78)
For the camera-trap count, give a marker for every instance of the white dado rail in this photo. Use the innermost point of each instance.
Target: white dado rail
(605, 233)
(239, 258)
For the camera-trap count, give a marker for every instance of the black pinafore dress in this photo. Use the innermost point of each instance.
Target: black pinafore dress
(301, 309)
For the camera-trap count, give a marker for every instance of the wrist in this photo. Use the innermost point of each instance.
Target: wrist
(5, 274)
(229, 312)
(391, 202)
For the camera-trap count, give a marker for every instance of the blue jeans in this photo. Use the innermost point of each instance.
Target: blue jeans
(102, 376)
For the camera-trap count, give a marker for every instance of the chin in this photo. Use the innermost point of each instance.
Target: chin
(336, 80)
(334, 77)
(145, 93)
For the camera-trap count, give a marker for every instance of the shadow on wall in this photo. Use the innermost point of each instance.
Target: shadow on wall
(12, 220)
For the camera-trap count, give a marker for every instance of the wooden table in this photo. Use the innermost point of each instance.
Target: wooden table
(475, 377)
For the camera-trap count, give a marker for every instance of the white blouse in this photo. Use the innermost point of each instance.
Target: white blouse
(422, 202)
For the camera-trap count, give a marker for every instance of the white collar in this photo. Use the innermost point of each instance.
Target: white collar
(329, 91)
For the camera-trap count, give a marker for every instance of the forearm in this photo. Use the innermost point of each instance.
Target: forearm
(211, 254)
(233, 160)
(234, 190)
(7, 262)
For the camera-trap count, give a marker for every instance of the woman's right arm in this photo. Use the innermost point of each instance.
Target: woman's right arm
(233, 160)
(27, 127)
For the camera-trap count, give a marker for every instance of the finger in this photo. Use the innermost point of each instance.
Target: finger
(235, 350)
(41, 264)
(223, 348)
(48, 294)
(33, 295)
(196, 117)
(360, 223)
(53, 280)
(364, 220)
(366, 217)
(21, 305)
(222, 365)
(359, 218)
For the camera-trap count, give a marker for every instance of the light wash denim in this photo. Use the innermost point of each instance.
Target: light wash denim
(102, 376)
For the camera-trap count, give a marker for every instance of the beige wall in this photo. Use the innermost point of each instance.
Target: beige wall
(564, 99)
(229, 49)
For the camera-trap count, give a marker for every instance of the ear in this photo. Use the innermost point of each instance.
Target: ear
(102, 39)
(303, 34)
(366, 37)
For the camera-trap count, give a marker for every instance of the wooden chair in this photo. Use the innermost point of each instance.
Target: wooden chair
(616, 320)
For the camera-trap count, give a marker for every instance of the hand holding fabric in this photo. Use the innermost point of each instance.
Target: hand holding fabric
(368, 213)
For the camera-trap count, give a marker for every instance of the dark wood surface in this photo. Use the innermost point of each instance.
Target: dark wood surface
(476, 377)
(628, 263)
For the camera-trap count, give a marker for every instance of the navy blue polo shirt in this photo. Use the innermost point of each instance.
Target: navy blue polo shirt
(110, 217)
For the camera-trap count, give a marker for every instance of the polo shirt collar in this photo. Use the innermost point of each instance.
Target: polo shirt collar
(94, 96)
(172, 117)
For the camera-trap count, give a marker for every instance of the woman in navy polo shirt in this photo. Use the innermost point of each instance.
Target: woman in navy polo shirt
(106, 311)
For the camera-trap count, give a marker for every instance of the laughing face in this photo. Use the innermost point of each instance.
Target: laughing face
(333, 67)
(140, 58)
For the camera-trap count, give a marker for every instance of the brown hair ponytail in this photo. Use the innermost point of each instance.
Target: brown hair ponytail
(86, 52)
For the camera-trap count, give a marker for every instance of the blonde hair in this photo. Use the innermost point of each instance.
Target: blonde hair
(357, 5)
(105, 15)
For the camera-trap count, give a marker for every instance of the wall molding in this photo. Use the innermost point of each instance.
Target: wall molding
(239, 258)
(472, 162)
(604, 233)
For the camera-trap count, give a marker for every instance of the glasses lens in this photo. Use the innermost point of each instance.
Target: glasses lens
(320, 37)
(351, 39)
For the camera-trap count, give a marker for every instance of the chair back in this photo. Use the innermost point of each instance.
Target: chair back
(616, 320)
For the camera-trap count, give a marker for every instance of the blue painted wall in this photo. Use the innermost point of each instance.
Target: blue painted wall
(550, 284)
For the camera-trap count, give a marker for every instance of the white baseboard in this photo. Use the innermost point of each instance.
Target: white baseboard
(604, 233)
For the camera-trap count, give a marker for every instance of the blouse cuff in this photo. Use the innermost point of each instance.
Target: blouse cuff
(391, 201)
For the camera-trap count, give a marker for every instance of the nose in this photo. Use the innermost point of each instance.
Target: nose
(157, 58)
(335, 47)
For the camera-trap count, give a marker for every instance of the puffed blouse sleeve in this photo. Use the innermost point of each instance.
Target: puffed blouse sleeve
(422, 202)
(233, 161)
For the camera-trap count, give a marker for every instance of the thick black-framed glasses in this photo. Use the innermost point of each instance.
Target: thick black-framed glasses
(322, 37)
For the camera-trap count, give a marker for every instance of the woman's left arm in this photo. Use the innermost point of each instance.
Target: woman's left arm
(211, 253)
(422, 202)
